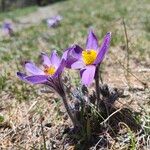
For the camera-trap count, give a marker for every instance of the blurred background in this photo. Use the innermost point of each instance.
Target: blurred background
(6, 5)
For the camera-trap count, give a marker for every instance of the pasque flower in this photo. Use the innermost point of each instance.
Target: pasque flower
(7, 28)
(89, 58)
(54, 21)
(48, 75)
(52, 67)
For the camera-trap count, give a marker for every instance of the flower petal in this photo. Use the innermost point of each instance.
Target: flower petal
(46, 59)
(36, 79)
(88, 75)
(31, 68)
(81, 71)
(91, 42)
(21, 75)
(76, 52)
(64, 55)
(60, 68)
(54, 58)
(78, 64)
(72, 54)
(104, 48)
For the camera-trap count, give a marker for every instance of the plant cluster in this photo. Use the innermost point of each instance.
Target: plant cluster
(91, 111)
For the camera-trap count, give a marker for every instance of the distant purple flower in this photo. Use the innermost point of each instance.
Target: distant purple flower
(7, 28)
(54, 21)
(48, 75)
(87, 59)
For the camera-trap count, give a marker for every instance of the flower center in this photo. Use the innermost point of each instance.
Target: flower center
(89, 56)
(49, 70)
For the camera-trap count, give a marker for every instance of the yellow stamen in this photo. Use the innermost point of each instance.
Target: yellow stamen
(49, 70)
(89, 56)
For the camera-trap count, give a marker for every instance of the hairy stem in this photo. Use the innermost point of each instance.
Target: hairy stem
(97, 88)
(58, 86)
(100, 76)
(73, 119)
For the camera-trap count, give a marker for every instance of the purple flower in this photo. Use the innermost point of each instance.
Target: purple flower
(49, 75)
(54, 21)
(87, 59)
(52, 68)
(7, 28)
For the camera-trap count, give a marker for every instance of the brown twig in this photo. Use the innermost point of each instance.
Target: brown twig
(42, 130)
(129, 71)
(127, 53)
